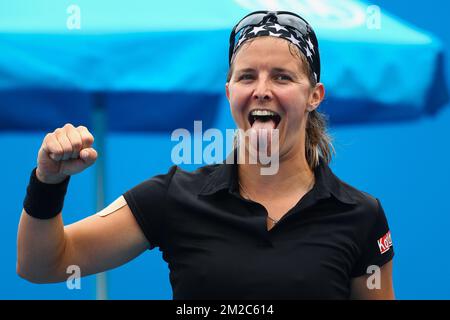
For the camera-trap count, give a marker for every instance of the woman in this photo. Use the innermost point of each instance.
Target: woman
(226, 230)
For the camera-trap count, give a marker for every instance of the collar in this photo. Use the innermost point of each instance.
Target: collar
(225, 177)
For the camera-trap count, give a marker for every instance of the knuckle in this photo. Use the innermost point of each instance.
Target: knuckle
(60, 135)
(54, 148)
(47, 137)
(52, 142)
(86, 136)
(54, 145)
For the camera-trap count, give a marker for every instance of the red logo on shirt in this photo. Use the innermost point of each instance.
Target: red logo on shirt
(385, 242)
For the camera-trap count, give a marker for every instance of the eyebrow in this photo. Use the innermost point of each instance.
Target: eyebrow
(274, 70)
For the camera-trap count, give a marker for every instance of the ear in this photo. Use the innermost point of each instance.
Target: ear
(227, 90)
(316, 96)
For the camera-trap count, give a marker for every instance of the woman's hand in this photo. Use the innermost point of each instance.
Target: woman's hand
(64, 152)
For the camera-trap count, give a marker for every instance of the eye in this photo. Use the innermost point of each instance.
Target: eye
(283, 77)
(246, 76)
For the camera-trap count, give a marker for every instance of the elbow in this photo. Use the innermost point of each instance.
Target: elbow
(20, 272)
(32, 277)
(26, 275)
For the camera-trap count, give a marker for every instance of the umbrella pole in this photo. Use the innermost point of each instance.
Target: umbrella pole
(99, 114)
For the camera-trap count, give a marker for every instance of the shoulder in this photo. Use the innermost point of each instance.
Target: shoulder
(369, 218)
(345, 192)
(175, 179)
(197, 174)
(194, 177)
(366, 205)
(178, 179)
(361, 197)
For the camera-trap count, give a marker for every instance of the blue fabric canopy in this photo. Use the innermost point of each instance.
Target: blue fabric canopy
(160, 65)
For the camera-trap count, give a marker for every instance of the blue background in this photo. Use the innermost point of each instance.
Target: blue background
(405, 165)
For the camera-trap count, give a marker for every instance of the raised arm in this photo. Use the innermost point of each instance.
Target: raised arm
(45, 247)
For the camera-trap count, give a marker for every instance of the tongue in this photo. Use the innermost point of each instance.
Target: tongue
(268, 125)
(264, 131)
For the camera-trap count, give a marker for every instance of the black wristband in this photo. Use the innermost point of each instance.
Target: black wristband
(43, 200)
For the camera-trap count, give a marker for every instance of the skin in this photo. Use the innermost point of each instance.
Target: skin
(266, 75)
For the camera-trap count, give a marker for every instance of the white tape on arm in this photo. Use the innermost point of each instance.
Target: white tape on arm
(116, 205)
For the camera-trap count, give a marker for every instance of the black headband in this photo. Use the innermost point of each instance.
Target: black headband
(305, 39)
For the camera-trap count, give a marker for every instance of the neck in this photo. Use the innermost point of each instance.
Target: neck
(294, 175)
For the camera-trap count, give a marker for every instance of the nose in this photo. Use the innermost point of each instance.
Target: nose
(262, 91)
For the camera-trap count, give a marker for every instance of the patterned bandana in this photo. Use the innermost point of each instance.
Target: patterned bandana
(304, 39)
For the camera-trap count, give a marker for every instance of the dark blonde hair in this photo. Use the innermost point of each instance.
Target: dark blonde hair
(318, 142)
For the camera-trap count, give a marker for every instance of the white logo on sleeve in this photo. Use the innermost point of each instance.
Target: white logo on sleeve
(385, 242)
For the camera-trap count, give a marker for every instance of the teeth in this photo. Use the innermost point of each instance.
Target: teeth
(262, 113)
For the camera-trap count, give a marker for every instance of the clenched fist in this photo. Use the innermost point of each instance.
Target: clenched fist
(65, 152)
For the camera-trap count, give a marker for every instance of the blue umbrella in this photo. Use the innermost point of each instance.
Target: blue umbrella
(141, 58)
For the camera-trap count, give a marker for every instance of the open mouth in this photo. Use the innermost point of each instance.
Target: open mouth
(264, 115)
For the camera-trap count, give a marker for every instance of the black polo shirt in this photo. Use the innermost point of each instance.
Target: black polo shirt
(217, 245)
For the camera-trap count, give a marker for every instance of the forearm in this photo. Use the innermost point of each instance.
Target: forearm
(40, 249)
(43, 245)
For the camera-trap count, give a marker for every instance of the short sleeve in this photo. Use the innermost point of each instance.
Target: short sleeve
(378, 248)
(147, 202)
